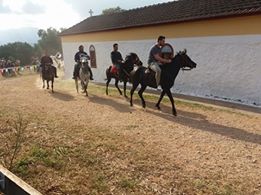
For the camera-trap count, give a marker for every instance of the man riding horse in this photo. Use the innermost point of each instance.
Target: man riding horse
(77, 56)
(46, 60)
(116, 60)
(156, 60)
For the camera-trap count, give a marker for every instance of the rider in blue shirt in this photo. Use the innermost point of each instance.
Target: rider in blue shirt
(77, 65)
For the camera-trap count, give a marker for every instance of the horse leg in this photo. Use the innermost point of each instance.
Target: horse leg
(76, 85)
(174, 112)
(124, 88)
(52, 84)
(43, 84)
(116, 85)
(87, 82)
(82, 85)
(161, 96)
(107, 84)
(142, 89)
(134, 86)
(47, 84)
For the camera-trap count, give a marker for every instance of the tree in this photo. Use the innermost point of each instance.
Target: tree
(17, 51)
(50, 40)
(112, 10)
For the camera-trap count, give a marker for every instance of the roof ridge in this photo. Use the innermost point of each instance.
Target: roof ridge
(161, 13)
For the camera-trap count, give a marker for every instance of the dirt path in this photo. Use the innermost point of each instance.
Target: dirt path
(111, 148)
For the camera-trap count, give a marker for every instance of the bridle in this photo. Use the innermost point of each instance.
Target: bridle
(186, 68)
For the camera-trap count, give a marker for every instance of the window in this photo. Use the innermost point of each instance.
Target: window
(93, 56)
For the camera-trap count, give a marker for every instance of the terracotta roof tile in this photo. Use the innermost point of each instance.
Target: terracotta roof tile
(175, 11)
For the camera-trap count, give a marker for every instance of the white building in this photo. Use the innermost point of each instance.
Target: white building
(222, 37)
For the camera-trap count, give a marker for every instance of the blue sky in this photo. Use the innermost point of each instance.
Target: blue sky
(15, 14)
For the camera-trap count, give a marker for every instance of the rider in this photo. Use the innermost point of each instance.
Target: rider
(46, 59)
(155, 60)
(116, 58)
(77, 65)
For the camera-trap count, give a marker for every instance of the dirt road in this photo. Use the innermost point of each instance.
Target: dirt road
(100, 145)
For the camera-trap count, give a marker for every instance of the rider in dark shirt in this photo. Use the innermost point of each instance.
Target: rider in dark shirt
(77, 65)
(46, 59)
(116, 58)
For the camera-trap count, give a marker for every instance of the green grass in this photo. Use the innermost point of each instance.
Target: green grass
(127, 183)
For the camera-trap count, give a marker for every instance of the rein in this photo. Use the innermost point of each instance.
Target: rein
(125, 72)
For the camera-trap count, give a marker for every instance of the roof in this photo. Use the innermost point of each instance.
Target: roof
(175, 11)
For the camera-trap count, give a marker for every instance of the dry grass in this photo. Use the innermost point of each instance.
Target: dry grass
(99, 145)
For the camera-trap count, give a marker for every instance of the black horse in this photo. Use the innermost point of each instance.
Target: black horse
(169, 73)
(48, 73)
(126, 67)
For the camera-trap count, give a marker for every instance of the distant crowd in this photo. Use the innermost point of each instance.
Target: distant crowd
(8, 63)
(13, 67)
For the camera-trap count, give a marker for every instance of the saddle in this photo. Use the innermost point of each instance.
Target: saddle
(114, 70)
(149, 70)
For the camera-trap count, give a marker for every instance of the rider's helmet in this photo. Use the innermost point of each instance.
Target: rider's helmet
(167, 51)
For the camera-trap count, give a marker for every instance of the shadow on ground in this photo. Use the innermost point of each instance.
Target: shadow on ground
(199, 121)
(121, 107)
(62, 96)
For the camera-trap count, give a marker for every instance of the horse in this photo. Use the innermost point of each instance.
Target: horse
(48, 74)
(84, 75)
(126, 67)
(169, 72)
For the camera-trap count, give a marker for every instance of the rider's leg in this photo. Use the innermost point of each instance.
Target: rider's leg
(55, 71)
(91, 75)
(76, 71)
(156, 68)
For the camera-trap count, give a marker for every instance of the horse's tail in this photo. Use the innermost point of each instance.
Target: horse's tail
(108, 70)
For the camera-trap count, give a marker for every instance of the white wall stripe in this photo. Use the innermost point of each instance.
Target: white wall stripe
(228, 66)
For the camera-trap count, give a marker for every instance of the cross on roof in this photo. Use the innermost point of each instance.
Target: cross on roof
(91, 12)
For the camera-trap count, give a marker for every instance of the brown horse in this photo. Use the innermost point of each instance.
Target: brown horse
(126, 67)
(48, 73)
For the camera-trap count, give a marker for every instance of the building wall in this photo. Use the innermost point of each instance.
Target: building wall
(227, 52)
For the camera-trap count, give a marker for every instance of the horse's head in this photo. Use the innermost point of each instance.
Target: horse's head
(132, 59)
(185, 62)
(84, 61)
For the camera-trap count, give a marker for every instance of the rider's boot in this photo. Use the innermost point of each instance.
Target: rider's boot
(91, 75)
(55, 72)
(75, 72)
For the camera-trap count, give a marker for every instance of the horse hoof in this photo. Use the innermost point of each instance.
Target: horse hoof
(158, 107)
(174, 113)
(126, 96)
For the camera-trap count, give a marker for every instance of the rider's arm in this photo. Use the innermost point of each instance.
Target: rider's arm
(88, 57)
(76, 57)
(113, 60)
(160, 59)
(51, 60)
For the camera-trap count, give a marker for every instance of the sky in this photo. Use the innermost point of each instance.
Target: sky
(15, 14)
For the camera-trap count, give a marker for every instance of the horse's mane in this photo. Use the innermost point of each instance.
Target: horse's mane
(128, 56)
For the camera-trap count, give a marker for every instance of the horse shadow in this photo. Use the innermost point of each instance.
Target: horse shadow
(199, 121)
(62, 96)
(121, 107)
